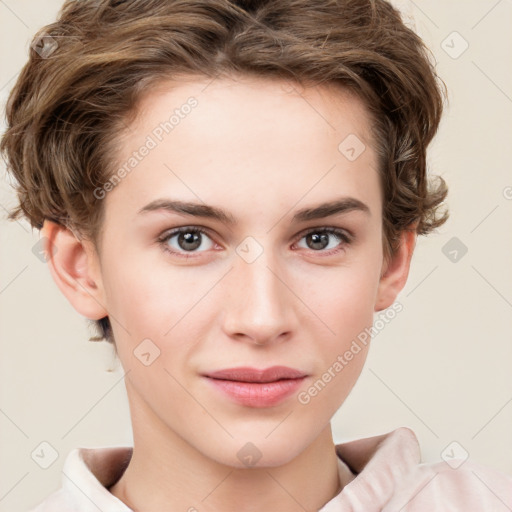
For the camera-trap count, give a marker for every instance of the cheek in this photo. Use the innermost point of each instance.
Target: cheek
(344, 301)
(344, 297)
(344, 304)
(138, 299)
(157, 302)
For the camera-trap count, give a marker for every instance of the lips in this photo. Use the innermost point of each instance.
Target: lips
(247, 374)
(251, 387)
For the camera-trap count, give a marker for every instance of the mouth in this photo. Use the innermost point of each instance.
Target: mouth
(257, 388)
(247, 374)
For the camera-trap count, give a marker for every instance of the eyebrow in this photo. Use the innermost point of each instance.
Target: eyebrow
(339, 206)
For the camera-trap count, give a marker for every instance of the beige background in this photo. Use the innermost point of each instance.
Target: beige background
(442, 366)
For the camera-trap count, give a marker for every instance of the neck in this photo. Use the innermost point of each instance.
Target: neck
(166, 473)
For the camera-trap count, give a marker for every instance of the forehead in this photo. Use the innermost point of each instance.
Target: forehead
(225, 139)
(284, 102)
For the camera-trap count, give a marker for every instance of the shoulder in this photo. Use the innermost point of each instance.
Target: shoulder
(86, 476)
(58, 501)
(460, 485)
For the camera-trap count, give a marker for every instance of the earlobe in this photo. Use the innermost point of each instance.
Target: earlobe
(74, 267)
(396, 271)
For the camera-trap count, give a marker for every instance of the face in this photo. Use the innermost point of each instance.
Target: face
(245, 236)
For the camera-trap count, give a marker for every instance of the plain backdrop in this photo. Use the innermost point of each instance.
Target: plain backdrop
(441, 367)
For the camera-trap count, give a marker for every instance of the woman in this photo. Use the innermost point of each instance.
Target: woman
(230, 191)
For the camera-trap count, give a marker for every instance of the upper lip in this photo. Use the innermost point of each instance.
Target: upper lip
(247, 374)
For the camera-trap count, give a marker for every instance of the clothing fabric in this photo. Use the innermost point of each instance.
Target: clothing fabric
(384, 474)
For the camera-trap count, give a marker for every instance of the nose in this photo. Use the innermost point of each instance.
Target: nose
(259, 307)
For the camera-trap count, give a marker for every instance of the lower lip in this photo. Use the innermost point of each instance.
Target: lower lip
(258, 394)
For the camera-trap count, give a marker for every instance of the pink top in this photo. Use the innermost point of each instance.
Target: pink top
(384, 474)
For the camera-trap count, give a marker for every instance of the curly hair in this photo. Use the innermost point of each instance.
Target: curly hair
(87, 71)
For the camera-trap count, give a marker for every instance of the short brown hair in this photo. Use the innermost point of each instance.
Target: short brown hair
(82, 82)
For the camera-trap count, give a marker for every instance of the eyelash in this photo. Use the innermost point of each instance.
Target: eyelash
(344, 237)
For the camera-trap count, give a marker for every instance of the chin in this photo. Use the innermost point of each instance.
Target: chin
(259, 452)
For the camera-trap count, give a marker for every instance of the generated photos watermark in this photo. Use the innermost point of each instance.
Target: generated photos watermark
(342, 360)
(152, 141)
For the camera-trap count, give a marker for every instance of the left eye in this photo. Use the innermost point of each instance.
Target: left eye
(322, 239)
(187, 240)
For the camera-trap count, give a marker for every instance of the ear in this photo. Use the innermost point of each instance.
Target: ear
(74, 266)
(395, 271)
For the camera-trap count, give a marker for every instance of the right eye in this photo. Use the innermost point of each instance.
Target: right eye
(187, 239)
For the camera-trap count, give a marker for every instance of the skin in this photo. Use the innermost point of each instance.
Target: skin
(262, 150)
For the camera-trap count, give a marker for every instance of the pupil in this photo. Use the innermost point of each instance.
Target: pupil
(193, 239)
(319, 241)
